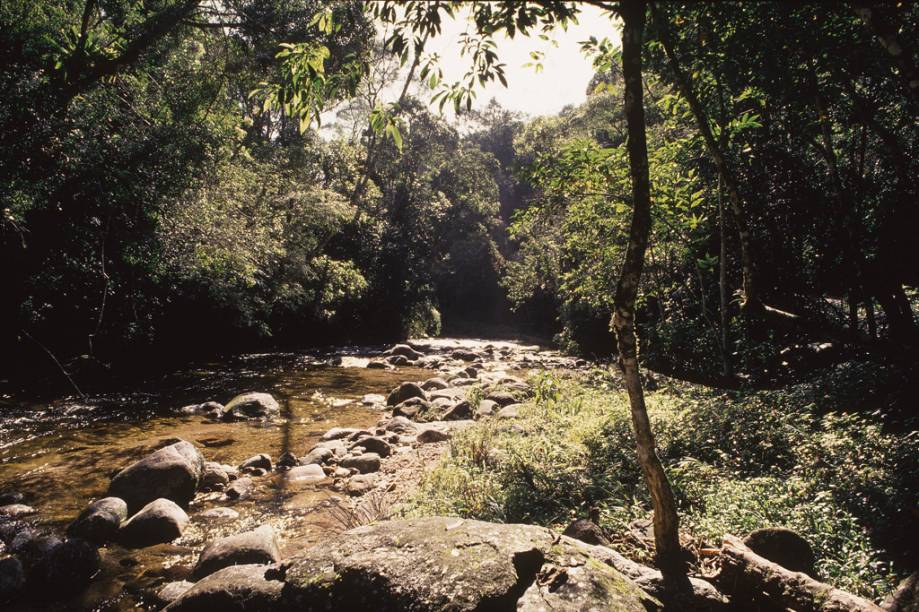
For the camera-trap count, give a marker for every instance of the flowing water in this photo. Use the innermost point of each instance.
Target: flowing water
(62, 454)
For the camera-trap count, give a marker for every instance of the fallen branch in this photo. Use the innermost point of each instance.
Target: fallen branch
(747, 577)
(56, 362)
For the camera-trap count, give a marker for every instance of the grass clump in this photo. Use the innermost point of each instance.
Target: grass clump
(738, 461)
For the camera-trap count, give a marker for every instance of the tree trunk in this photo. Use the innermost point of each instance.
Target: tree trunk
(751, 300)
(666, 521)
(756, 311)
(748, 578)
(80, 77)
(869, 317)
(723, 288)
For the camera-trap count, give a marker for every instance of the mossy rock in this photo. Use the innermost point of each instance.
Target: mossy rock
(441, 563)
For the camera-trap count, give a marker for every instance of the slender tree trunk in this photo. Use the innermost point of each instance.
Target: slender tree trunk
(853, 313)
(723, 288)
(852, 257)
(666, 521)
(751, 299)
(756, 312)
(869, 317)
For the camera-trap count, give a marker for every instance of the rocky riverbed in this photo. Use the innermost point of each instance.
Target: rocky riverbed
(113, 510)
(287, 497)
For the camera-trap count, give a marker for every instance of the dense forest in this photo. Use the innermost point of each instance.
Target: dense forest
(157, 203)
(732, 206)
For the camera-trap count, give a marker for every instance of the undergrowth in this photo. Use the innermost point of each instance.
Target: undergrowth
(738, 461)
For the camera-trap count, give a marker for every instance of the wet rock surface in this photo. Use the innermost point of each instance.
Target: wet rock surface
(256, 547)
(252, 406)
(243, 588)
(172, 473)
(159, 521)
(175, 503)
(100, 521)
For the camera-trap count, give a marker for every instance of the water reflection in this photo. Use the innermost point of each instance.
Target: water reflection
(62, 454)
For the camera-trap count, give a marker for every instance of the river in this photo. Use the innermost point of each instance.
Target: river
(62, 454)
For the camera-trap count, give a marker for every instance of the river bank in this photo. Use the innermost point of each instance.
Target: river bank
(60, 456)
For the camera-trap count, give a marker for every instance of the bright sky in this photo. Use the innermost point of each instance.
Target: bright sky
(562, 81)
(566, 71)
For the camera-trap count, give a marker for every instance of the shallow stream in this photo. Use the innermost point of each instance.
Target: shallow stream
(62, 454)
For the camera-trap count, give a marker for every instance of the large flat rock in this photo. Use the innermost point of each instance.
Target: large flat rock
(443, 563)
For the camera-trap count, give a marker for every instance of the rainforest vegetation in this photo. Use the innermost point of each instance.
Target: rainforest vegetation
(732, 206)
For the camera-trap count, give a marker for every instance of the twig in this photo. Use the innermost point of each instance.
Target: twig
(56, 362)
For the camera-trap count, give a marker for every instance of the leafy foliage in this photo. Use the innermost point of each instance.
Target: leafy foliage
(738, 462)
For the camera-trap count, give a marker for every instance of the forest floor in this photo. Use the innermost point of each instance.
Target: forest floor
(802, 457)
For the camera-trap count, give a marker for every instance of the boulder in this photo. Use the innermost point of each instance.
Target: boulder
(239, 489)
(502, 398)
(364, 463)
(464, 355)
(320, 454)
(377, 365)
(403, 392)
(463, 381)
(261, 461)
(66, 570)
(486, 408)
(238, 588)
(431, 435)
(337, 433)
(12, 578)
(450, 393)
(374, 445)
(412, 407)
(252, 406)
(159, 521)
(338, 447)
(288, 460)
(100, 520)
(16, 510)
(406, 351)
(441, 563)
(409, 411)
(11, 497)
(220, 513)
(434, 384)
(586, 531)
(509, 412)
(373, 399)
(400, 425)
(462, 410)
(256, 547)
(212, 410)
(360, 484)
(303, 474)
(783, 546)
(214, 477)
(171, 591)
(33, 548)
(173, 472)
(397, 360)
(905, 597)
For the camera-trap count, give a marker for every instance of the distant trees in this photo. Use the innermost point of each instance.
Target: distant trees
(154, 203)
